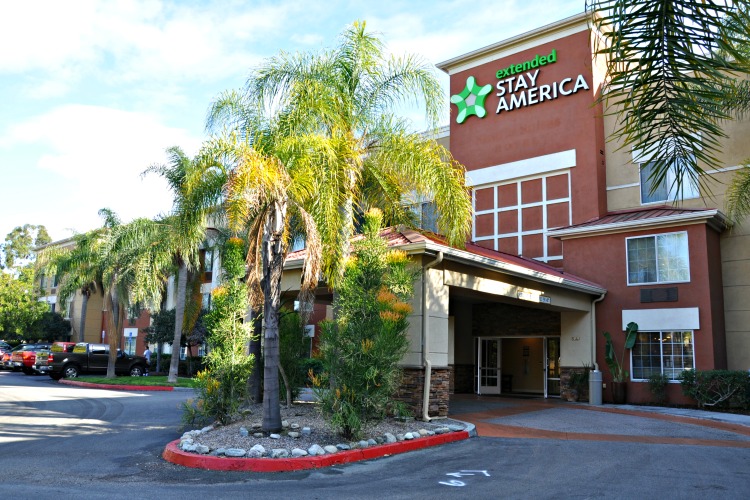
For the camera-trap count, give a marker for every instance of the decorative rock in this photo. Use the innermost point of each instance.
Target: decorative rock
(293, 435)
(235, 452)
(294, 426)
(380, 440)
(219, 452)
(316, 450)
(424, 432)
(390, 438)
(186, 441)
(257, 451)
(202, 449)
(285, 423)
(442, 430)
(275, 436)
(330, 449)
(243, 432)
(408, 436)
(258, 435)
(279, 453)
(207, 429)
(343, 446)
(257, 426)
(363, 444)
(306, 431)
(297, 452)
(455, 428)
(400, 437)
(371, 442)
(189, 447)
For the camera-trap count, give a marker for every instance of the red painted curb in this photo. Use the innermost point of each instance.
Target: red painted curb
(173, 454)
(117, 387)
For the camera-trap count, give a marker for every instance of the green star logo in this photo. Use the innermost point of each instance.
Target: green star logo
(471, 100)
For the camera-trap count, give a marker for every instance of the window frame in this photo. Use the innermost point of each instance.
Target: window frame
(691, 193)
(661, 354)
(656, 247)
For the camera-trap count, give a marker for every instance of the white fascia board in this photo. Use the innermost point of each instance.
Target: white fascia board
(504, 267)
(668, 319)
(701, 217)
(522, 168)
(510, 46)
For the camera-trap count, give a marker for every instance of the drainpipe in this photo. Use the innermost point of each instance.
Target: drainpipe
(425, 344)
(593, 329)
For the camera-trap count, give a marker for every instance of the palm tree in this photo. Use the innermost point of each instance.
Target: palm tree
(269, 185)
(345, 98)
(186, 231)
(672, 69)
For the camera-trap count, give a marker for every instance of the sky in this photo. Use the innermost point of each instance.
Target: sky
(92, 92)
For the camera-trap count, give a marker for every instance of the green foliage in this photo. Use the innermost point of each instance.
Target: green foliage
(688, 55)
(579, 379)
(222, 386)
(657, 384)
(20, 243)
(50, 327)
(360, 351)
(717, 388)
(294, 349)
(615, 364)
(20, 308)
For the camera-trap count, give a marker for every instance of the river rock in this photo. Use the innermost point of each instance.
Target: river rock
(243, 432)
(316, 450)
(235, 452)
(298, 452)
(390, 438)
(279, 453)
(257, 451)
(330, 449)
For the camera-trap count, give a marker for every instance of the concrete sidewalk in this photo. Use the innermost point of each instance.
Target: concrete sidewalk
(556, 419)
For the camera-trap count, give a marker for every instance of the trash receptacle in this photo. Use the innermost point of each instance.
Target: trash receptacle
(595, 387)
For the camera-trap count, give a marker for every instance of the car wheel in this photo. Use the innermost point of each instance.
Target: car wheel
(56, 376)
(136, 371)
(70, 371)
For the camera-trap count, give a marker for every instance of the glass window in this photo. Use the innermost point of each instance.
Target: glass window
(130, 345)
(668, 353)
(661, 258)
(664, 191)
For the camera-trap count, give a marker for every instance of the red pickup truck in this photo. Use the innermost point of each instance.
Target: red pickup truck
(23, 359)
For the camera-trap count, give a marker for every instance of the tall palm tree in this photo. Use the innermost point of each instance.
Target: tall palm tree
(672, 68)
(269, 185)
(347, 98)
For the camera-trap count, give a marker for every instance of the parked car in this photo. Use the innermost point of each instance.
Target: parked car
(5, 359)
(93, 358)
(45, 356)
(23, 359)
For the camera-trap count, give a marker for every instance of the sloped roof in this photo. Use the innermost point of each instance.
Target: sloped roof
(416, 242)
(641, 218)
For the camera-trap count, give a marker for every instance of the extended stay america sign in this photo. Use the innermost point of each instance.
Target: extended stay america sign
(519, 85)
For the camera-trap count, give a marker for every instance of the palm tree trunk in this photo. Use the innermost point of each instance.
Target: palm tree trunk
(255, 379)
(84, 302)
(273, 265)
(178, 319)
(114, 329)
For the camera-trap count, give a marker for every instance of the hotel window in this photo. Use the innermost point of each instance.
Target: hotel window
(657, 353)
(662, 258)
(665, 190)
(426, 215)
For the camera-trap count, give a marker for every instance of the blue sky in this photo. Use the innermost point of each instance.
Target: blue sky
(92, 92)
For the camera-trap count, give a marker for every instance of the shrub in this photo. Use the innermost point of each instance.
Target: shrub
(657, 384)
(717, 388)
(361, 349)
(222, 385)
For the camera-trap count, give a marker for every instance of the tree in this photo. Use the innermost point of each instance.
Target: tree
(362, 347)
(311, 132)
(20, 243)
(346, 97)
(672, 73)
(20, 307)
(49, 327)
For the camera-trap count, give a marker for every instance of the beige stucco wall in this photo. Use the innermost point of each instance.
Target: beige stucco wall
(576, 347)
(735, 242)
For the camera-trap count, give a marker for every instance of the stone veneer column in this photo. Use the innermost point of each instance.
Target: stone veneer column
(410, 392)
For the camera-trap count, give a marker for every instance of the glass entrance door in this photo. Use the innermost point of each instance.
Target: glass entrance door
(488, 366)
(552, 378)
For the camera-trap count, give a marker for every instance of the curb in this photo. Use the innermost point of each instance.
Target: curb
(91, 385)
(173, 454)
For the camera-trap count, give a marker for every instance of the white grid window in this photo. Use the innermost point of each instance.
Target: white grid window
(548, 209)
(668, 353)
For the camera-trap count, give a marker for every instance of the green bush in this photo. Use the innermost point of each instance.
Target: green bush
(361, 349)
(187, 367)
(717, 388)
(657, 384)
(222, 385)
